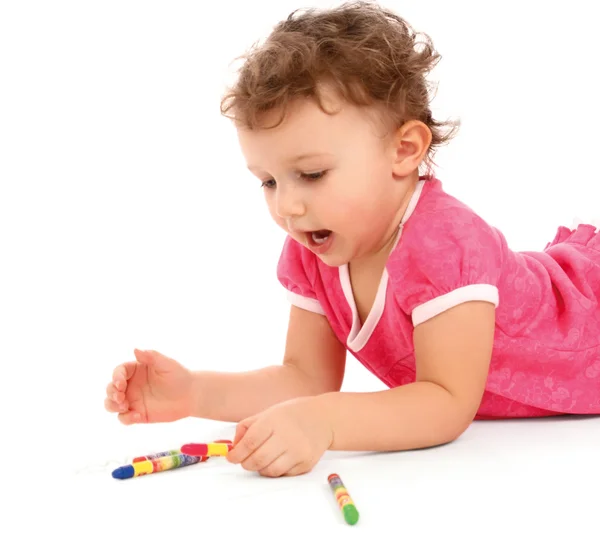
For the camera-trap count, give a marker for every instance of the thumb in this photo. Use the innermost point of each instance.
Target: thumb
(240, 432)
(154, 357)
(242, 428)
(140, 355)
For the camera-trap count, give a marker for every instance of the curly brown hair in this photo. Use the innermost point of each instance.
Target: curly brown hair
(370, 55)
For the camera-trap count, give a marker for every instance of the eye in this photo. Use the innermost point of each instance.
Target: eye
(269, 184)
(314, 176)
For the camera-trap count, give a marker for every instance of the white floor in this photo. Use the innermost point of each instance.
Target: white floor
(128, 219)
(504, 487)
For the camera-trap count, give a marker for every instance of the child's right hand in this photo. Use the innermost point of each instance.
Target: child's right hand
(154, 388)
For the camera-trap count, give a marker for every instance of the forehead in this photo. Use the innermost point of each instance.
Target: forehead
(307, 127)
(303, 118)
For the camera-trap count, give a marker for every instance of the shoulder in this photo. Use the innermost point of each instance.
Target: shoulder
(297, 271)
(442, 229)
(296, 260)
(440, 217)
(445, 248)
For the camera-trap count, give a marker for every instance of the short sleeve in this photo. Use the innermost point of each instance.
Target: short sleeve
(445, 259)
(296, 271)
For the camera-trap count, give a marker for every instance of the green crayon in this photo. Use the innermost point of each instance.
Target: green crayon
(343, 499)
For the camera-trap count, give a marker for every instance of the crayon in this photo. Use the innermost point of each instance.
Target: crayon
(343, 498)
(161, 454)
(157, 455)
(155, 465)
(207, 449)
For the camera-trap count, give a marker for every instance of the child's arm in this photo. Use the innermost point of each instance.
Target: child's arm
(313, 364)
(453, 352)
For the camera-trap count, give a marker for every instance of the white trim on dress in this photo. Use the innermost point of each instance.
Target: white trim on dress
(359, 336)
(475, 292)
(304, 302)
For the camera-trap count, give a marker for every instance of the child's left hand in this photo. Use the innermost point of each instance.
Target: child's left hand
(285, 440)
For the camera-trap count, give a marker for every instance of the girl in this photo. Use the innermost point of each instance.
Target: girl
(332, 115)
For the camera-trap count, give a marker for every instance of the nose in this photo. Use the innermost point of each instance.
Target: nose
(288, 202)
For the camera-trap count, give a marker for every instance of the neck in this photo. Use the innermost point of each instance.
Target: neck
(407, 188)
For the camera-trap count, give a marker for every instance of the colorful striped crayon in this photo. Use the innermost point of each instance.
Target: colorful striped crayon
(157, 455)
(160, 455)
(207, 449)
(155, 465)
(343, 499)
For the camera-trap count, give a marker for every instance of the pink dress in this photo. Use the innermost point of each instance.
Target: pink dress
(546, 356)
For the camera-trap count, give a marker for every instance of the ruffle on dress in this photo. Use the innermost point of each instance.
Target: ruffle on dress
(583, 234)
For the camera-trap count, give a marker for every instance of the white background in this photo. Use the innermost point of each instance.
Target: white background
(128, 219)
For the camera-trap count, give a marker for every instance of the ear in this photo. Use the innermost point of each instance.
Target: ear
(409, 146)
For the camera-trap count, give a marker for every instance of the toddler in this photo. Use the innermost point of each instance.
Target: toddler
(332, 115)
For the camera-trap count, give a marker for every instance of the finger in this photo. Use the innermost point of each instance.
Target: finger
(120, 384)
(252, 439)
(119, 397)
(130, 417)
(279, 466)
(242, 428)
(114, 394)
(123, 373)
(264, 456)
(111, 406)
(111, 390)
(297, 469)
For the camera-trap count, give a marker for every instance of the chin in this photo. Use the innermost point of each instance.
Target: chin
(333, 260)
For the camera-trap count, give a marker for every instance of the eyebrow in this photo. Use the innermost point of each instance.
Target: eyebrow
(300, 157)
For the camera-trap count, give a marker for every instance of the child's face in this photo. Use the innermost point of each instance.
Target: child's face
(341, 199)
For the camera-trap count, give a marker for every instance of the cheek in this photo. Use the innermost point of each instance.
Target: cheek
(353, 199)
(347, 209)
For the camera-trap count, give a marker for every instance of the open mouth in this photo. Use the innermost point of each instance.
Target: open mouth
(319, 241)
(319, 237)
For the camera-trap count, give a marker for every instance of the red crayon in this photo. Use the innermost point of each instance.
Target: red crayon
(207, 449)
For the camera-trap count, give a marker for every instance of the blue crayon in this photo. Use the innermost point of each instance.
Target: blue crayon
(154, 465)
